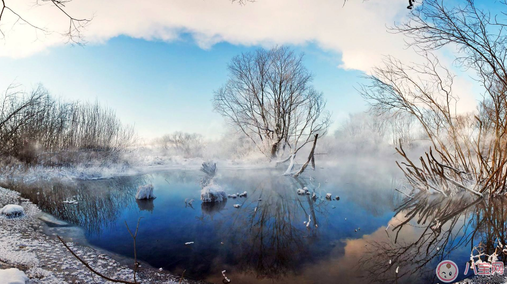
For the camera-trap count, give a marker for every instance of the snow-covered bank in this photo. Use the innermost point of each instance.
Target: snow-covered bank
(25, 246)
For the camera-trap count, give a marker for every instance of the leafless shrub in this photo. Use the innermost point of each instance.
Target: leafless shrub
(425, 92)
(35, 128)
(469, 151)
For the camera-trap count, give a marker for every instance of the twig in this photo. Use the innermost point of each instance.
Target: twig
(134, 236)
(90, 268)
(182, 276)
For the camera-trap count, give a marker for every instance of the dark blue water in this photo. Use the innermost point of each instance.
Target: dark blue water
(266, 239)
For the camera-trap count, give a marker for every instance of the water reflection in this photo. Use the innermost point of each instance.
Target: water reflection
(145, 205)
(427, 229)
(212, 208)
(264, 240)
(92, 205)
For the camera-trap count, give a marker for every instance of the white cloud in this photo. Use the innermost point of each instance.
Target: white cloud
(356, 30)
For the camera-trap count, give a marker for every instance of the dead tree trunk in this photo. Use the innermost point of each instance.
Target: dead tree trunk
(311, 158)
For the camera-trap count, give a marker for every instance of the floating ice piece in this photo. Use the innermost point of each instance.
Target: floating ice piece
(389, 262)
(397, 269)
(301, 191)
(305, 188)
(70, 201)
(12, 211)
(243, 194)
(189, 243)
(52, 220)
(328, 196)
(213, 193)
(232, 195)
(314, 196)
(237, 205)
(145, 192)
(255, 209)
(13, 276)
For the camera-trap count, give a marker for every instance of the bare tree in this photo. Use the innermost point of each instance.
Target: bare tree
(269, 97)
(468, 150)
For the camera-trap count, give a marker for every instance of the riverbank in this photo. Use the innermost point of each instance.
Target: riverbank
(24, 245)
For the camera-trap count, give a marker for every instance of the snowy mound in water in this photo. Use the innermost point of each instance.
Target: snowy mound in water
(145, 192)
(213, 193)
(13, 276)
(12, 211)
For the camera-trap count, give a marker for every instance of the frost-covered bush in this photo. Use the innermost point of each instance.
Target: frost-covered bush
(145, 192)
(213, 193)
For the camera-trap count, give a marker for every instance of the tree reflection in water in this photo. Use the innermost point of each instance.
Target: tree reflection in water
(264, 240)
(99, 202)
(269, 237)
(427, 229)
(145, 205)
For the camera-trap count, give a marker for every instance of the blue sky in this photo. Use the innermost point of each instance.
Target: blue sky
(162, 87)
(157, 65)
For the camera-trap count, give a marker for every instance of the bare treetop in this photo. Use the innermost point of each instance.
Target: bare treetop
(270, 98)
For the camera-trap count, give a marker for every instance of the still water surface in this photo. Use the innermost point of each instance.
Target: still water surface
(266, 240)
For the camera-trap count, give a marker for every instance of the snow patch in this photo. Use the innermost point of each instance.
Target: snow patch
(13, 276)
(12, 211)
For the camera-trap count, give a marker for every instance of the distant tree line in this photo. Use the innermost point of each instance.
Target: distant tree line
(37, 128)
